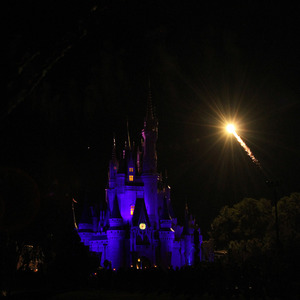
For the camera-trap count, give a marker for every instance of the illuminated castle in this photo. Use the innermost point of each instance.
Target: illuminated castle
(136, 226)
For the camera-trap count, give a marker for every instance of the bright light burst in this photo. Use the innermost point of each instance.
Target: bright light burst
(226, 121)
(230, 128)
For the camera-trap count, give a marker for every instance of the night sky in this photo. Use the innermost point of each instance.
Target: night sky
(78, 70)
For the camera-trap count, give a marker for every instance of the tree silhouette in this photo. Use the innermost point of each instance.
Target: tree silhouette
(247, 229)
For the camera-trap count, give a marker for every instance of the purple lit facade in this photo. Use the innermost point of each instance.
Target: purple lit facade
(136, 227)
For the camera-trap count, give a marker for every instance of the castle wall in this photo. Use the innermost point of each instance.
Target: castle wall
(177, 255)
(166, 247)
(100, 248)
(116, 248)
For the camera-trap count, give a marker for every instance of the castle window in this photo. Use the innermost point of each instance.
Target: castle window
(132, 209)
(131, 170)
(130, 177)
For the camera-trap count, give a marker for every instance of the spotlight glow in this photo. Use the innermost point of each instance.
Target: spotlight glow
(230, 128)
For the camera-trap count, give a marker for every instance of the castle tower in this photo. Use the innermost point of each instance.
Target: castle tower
(150, 134)
(104, 214)
(113, 167)
(188, 240)
(149, 171)
(116, 237)
(166, 236)
(94, 219)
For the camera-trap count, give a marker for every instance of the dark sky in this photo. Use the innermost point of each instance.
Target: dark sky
(78, 70)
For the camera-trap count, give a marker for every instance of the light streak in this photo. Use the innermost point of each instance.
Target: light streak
(231, 129)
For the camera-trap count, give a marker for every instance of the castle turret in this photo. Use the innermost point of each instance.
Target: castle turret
(139, 160)
(104, 214)
(165, 217)
(121, 176)
(188, 240)
(150, 134)
(113, 167)
(166, 236)
(116, 237)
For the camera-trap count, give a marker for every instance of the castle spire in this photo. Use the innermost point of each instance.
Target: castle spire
(128, 136)
(186, 227)
(150, 134)
(116, 209)
(113, 164)
(113, 155)
(165, 215)
(115, 219)
(149, 113)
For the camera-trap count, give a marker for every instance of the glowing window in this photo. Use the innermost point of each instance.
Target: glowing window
(130, 169)
(130, 177)
(131, 209)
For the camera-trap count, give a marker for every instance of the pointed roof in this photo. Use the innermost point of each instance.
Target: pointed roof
(149, 113)
(140, 213)
(150, 122)
(165, 215)
(128, 135)
(116, 209)
(113, 155)
(123, 163)
(171, 210)
(186, 226)
(113, 163)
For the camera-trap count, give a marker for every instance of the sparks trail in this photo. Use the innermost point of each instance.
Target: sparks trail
(231, 129)
(247, 149)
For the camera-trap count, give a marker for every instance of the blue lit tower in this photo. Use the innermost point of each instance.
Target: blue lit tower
(116, 237)
(187, 241)
(166, 236)
(113, 167)
(112, 176)
(149, 174)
